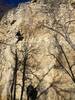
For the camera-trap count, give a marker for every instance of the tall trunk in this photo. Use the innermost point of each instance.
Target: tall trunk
(23, 77)
(13, 87)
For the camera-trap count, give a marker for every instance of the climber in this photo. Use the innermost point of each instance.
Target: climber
(19, 36)
(31, 93)
(73, 5)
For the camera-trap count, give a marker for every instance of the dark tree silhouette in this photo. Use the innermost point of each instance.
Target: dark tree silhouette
(31, 93)
(13, 86)
(24, 69)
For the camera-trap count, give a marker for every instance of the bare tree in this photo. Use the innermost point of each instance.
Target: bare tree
(61, 27)
(24, 69)
(69, 71)
(61, 24)
(14, 81)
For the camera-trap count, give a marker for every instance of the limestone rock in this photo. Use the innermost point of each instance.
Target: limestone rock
(42, 68)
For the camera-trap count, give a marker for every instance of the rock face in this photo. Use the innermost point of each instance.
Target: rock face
(48, 37)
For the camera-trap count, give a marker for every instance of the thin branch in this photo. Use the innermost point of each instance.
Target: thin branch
(61, 65)
(70, 21)
(44, 77)
(64, 36)
(68, 63)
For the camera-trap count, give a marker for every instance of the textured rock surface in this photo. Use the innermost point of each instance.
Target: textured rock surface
(29, 19)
